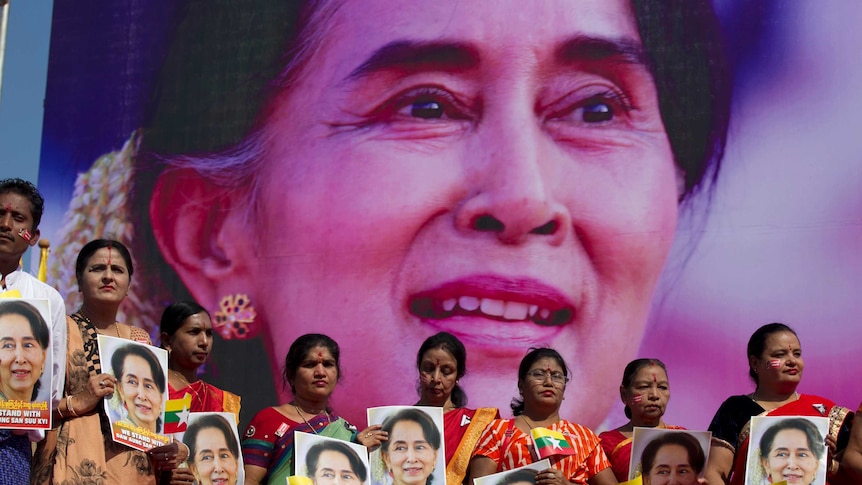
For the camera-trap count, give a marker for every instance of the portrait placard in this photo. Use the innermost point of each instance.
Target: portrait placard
(787, 448)
(214, 448)
(136, 410)
(669, 452)
(25, 363)
(329, 461)
(415, 447)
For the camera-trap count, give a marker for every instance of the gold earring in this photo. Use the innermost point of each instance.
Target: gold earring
(235, 318)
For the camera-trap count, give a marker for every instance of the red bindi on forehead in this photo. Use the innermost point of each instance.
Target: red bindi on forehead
(8, 207)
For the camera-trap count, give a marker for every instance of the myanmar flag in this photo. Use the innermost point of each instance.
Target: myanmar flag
(177, 414)
(549, 443)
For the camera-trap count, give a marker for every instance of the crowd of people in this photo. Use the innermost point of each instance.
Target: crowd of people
(478, 442)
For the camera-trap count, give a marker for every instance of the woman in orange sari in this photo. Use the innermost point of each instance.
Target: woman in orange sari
(775, 365)
(442, 362)
(187, 335)
(645, 392)
(507, 444)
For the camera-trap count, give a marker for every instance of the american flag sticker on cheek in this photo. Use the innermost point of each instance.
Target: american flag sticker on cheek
(25, 235)
(637, 398)
(774, 364)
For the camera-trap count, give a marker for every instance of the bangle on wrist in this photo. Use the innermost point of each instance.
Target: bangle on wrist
(70, 407)
(60, 410)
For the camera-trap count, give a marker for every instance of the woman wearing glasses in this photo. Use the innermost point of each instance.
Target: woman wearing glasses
(507, 443)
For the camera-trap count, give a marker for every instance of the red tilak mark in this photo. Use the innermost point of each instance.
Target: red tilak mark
(654, 378)
(548, 368)
(8, 208)
(437, 362)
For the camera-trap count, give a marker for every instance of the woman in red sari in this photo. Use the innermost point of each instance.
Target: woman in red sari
(187, 335)
(775, 365)
(442, 362)
(645, 391)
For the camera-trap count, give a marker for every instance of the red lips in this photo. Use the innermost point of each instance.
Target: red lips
(496, 298)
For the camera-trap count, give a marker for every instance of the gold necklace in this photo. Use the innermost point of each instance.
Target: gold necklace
(188, 385)
(298, 411)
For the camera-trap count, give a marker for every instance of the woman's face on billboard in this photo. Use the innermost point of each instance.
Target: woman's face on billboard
(467, 167)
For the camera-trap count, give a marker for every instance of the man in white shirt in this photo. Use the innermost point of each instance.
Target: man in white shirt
(21, 207)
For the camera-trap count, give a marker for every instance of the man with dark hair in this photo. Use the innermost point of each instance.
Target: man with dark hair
(21, 207)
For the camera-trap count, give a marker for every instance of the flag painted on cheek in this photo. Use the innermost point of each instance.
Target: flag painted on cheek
(549, 443)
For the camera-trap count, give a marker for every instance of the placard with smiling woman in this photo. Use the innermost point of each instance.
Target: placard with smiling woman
(25, 364)
(330, 461)
(136, 410)
(787, 448)
(414, 451)
(214, 455)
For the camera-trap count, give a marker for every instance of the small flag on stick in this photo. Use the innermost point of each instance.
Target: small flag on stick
(177, 414)
(549, 443)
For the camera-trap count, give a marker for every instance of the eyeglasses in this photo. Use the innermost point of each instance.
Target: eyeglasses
(539, 375)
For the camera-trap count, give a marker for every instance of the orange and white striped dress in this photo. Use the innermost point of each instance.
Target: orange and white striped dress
(516, 449)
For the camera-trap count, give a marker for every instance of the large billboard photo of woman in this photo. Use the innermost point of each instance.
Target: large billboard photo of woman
(518, 174)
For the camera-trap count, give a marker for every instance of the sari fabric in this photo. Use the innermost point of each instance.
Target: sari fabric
(730, 426)
(269, 443)
(81, 450)
(510, 448)
(619, 450)
(207, 398)
(462, 429)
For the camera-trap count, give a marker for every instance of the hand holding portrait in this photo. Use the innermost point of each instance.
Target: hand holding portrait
(98, 388)
(372, 436)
